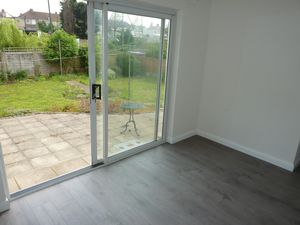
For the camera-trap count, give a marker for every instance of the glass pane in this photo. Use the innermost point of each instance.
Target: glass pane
(134, 46)
(164, 76)
(98, 61)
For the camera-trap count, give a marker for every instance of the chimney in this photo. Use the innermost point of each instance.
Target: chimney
(3, 13)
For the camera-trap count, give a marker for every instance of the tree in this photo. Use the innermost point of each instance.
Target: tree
(73, 16)
(67, 16)
(10, 36)
(80, 15)
(69, 47)
(46, 28)
(126, 38)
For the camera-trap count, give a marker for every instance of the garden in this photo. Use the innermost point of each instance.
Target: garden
(58, 81)
(54, 94)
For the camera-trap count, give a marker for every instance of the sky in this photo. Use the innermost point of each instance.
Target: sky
(15, 7)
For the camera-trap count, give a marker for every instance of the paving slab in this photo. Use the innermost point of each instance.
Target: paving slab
(69, 166)
(12, 185)
(36, 152)
(44, 161)
(42, 146)
(7, 149)
(59, 146)
(13, 158)
(69, 153)
(18, 168)
(35, 177)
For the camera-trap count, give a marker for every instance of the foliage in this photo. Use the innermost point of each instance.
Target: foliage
(116, 25)
(122, 63)
(68, 45)
(83, 56)
(98, 55)
(33, 41)
(46, 27)
(9, 77)
(72, 92)
(49, 94)
(3, 77)
(21, 75)
(152, 49)
(124, 38)
(73, 16)
(10, 36)
(80, 14)
(67, 16)
(111, 74)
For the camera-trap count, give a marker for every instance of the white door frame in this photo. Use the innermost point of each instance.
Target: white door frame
(136, 9)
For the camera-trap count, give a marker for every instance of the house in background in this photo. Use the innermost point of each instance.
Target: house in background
(6, 15)
(31, 18)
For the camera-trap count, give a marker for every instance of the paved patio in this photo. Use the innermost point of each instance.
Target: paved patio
(40, 147)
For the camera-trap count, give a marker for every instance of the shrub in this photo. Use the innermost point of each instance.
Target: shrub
(83, 54)
(111, 74)
(69, 47)
(3, 77)
(47, 28)
(152, 50)
(32, 40)
(10, 35)
(122, 62)
(11, 77)
(21, 75)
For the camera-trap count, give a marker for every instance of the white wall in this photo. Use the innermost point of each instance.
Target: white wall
(250, 96)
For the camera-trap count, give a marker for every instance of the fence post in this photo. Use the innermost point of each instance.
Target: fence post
(60, 61)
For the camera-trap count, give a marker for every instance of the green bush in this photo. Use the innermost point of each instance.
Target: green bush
(3, 77)
(69, 47)
(21, 75)
(111, 74)
(152, 50)
(83, 54)
(11, 77)
(122, 62)
(10, 35)
(33, 41)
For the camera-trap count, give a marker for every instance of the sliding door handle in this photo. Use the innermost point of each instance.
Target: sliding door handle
(96, 91)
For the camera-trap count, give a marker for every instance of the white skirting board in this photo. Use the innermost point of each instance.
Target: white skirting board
(173, 140)
(249, 151)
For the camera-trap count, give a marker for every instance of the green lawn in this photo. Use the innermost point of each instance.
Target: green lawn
(55, 95)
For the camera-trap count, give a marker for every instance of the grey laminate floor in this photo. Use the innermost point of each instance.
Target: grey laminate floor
(193, 182)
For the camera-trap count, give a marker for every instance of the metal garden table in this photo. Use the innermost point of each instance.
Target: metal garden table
(131, 106)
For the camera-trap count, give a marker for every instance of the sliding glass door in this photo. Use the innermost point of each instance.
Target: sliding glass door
(128, 56)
